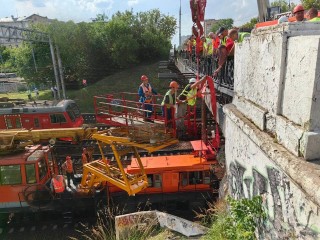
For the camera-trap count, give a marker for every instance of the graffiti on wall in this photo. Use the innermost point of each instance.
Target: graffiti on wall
(286, 219)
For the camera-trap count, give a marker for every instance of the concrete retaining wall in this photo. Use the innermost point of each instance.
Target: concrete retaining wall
(277, 84)
(273, 127)
(257, 165)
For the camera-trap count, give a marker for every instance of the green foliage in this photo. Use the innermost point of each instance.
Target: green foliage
(239, 221)
(251, 24)
(311, 3)
(227, 23)
(96, 49)
(283, 4)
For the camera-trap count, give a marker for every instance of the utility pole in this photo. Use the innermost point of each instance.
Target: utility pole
(34, 58)
(180, 25)
(61, 73)
(56, 76)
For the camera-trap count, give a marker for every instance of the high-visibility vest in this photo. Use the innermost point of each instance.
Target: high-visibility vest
(191, 95)
(316, 19)
(145, 90)
(69, 167)
(223, 41)
(170, 99)
(209, 46)
(58, 184)
(242, 35)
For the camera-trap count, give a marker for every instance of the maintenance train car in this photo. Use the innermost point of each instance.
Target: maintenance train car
(40, 115)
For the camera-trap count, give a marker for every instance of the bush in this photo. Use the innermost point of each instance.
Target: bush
(236, 221)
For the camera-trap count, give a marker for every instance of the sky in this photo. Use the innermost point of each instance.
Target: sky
(85, 10)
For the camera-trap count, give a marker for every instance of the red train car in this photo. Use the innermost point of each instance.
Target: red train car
(40, 115)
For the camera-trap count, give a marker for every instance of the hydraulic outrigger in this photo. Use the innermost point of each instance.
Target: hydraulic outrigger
(122, 143)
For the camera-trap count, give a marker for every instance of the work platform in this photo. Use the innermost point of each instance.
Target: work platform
(122, 141)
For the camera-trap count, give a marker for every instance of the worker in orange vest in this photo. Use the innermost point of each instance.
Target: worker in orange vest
(145, 93)
(57, 183)
(68, 167)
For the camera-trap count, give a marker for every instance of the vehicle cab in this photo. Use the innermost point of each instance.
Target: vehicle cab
(20, 171)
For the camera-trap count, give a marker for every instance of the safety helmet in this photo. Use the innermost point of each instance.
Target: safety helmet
(298, 8)
(144, 77)
(283, 19)
(192, 80)
(174, 84)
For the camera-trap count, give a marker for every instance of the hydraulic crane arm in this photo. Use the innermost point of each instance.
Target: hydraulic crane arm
(11, 140)
(121, 144)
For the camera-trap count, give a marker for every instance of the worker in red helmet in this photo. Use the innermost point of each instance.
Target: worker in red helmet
(68, 167)
(298, 12)
(168, 102)
(145, 93)
(187, 97)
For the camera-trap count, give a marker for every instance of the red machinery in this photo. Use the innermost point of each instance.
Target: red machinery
(40, 115)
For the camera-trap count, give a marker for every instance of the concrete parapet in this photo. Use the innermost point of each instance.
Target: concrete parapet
(277, 84)
(258, 165)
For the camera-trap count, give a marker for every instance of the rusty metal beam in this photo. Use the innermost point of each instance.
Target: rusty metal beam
(16, 34)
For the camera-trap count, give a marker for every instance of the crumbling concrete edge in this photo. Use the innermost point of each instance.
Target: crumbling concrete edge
(125, 223)
(304, 174)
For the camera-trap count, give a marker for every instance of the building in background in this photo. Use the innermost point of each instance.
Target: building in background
(208, 23)
(21, 22)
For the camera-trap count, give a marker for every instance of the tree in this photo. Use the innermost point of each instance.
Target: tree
(96, 49)
(250, 25)
(227, 23)
(101, 18)
(307, 4)
(283, 4)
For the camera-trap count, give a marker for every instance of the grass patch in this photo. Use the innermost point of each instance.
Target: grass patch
(105, 226)
(127, 80)
(233, 219)
(43, 95)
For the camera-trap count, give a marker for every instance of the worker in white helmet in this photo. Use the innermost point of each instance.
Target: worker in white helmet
(187, 97)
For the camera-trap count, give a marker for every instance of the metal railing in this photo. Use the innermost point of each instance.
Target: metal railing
(224, 82)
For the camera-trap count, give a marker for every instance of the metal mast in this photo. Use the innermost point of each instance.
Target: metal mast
(180, 25)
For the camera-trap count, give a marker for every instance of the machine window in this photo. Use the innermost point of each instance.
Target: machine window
(184, 179)
(18, 123)
(31, 173)
(73, 111)
(195, 178)
(36, 122)
(157, 181)
(9, 123)
(150, 180)
(36, 155)
(71, 114)
(57, 118)
(42, 169)
(10, 175)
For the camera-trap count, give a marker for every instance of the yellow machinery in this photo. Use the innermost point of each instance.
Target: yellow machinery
(149, 137)
(19, 138)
